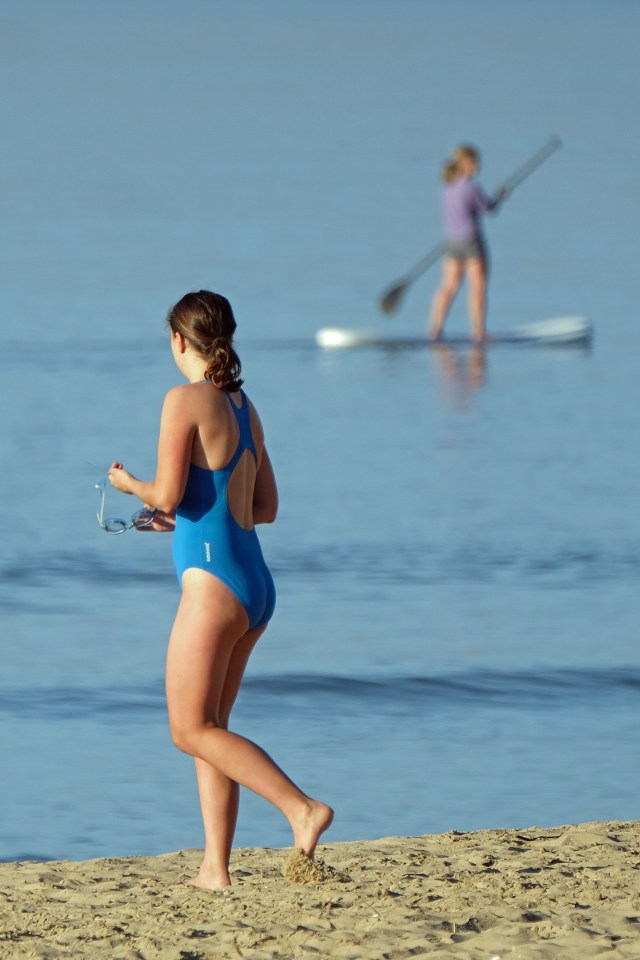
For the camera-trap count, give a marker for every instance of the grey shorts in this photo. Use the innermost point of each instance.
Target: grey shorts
(465, 248)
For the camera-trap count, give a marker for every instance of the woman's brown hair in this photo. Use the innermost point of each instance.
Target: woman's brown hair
(207, 321)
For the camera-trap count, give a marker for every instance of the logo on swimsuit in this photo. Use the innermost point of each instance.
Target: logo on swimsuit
(207, 550)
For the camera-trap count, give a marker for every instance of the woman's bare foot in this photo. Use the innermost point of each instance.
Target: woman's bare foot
(209, 879)
(310, 825)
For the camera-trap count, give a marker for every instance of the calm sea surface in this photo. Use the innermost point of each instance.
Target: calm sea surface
(458, 550)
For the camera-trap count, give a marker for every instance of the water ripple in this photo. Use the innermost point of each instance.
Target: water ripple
(421, 564)
(542, 688)
(428, 564)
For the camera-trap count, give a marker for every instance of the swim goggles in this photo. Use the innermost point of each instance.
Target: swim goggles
(140, 519)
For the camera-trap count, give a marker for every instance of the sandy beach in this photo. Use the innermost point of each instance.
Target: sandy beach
(568, 891)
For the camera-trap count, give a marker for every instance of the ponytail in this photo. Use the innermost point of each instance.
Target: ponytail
(449, 171)
(224, 365)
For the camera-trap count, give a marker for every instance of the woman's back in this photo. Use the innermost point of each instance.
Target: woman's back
(464, 202)
(228, 436)
(214, 528)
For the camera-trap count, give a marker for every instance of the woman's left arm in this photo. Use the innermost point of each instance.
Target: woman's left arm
(177, 428)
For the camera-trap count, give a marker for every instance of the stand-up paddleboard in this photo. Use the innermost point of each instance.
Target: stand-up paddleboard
(556, 332)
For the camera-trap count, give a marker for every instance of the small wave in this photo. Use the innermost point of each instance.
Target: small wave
(428, 564)
(20, 857)
(513, 690)
(82, 569)
(530, 687)
(398, 564)
(70, 702)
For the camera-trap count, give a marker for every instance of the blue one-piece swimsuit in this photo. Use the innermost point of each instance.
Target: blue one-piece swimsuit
(207, 535)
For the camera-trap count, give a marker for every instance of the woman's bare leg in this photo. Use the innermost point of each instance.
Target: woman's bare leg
(219, 802)
(220, 796)
(452, 273)
(209, 624)
(477, 277)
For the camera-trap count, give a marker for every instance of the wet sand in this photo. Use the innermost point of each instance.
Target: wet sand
(555, 892)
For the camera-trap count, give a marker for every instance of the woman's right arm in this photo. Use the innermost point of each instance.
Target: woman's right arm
(265, 492)
(177, 427)
(485, 203)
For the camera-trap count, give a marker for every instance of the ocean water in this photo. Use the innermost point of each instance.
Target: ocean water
(457, 552)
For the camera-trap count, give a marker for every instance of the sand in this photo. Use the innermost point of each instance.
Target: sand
(561, 892)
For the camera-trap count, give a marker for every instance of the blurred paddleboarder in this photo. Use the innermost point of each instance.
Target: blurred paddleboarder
(465, 203)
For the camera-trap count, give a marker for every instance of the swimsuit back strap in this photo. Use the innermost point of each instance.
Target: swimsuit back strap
(244, 425)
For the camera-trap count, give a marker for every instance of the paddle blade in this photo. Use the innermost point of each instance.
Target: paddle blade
(390, 301)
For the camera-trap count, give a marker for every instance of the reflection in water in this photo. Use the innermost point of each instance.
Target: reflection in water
(463, 371)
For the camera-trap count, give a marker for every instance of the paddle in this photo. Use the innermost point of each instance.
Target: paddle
(390, 299)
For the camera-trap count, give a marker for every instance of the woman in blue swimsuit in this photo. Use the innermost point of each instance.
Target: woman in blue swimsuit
(214, 481)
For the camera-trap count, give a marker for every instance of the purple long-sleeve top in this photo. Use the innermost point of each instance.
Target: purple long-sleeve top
(464, 203)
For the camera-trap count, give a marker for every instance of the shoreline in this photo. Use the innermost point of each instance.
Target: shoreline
(571, 891)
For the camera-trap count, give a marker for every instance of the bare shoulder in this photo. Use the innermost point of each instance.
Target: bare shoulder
(192, 393)
(186, 400)
(255, 421)
(179, 393)
(177, 399)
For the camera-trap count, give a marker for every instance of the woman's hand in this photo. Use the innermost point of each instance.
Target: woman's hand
(120, 478)
(161, 523)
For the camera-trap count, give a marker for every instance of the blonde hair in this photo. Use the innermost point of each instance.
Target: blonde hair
(451, 169)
